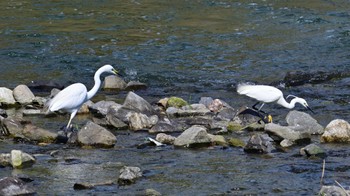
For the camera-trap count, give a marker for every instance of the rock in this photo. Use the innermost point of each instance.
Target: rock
(296, 78)
(162, 127)
(286, 132)
(84, 109)
(129, 175)
(138, 104)
(6, 96)
(151, 192)
(13, 126)
(101, 108)
(165, 139)
(312, 150)
(236, 142)
(286, 143)
(259, 143)
(135, 85)
(139, 121)
(92, 134)
(215, 106)
(232, 126)
(218, 140)
(23, 94)
(34, 133)
(87, 185)
(226, 113)
(192, 110)
(116, 112)
(337, 130)
(206, 101)
(304, 121)
(31, 112)
(15, 186)
(333, 191)
(114, 82)
(115, 122)
(3, 113)
(176, 102)
(5, 159)
(20, 159)
(193, 137)
(163, 102)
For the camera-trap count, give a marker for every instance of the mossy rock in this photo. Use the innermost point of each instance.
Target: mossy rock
(236, 142)
(234, 127)
(176, 102)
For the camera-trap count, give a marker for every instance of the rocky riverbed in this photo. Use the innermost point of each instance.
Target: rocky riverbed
(170, 123)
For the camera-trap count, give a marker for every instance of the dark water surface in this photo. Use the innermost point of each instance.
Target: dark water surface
(188, 49)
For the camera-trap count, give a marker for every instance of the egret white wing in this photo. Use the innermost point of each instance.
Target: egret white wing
(69, 98)
(261, 93)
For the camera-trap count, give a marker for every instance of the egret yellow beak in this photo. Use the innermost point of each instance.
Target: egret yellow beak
(115, 71)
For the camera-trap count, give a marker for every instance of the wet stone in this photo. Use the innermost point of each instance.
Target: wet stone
(195, 136)
(165, 139)
(101, 108)
(337, 130)
(15, 186)
(135, 85)
(6, 96)
(129, 175)
(114, 82)
(259, 143)
(20, 159)
(303, 121)
(312, 150)
(136, 103)
(92, 134)
(23, 94)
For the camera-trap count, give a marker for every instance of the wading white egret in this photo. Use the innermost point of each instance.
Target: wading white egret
(71, 98)
(269, 94)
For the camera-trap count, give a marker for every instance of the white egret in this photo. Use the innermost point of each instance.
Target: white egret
(269, 94)
(71, 98)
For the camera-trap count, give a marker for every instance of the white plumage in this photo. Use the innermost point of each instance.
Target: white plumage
(74, 96)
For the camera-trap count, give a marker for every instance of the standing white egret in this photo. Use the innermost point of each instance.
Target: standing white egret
(269, 94)
(71, 98)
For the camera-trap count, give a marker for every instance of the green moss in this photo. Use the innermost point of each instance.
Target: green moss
(234, 127)
(236, 142)
(176, 102)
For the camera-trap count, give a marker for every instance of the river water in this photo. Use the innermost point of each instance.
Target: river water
(188, 49)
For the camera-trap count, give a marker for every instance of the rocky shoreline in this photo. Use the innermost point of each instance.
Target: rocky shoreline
(171, 121)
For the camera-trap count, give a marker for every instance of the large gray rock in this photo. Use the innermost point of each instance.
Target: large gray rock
(12, 126)
(21, 159)
(259, 143)
(6, 96)
(138, 104)
(116, 112)
(286, 132)
(114, 82)
(92, 134)
(303, 121)
(337, 130)
(129, 175)
(139, 121)
(23, 94)
(193, 137)
(14, 186)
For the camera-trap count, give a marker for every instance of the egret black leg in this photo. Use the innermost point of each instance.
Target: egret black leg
(258, 109)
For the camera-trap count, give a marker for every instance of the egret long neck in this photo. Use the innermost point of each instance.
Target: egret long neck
(285, 104)
(97, 85)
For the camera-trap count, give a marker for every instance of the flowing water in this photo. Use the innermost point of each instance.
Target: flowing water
(188, 49)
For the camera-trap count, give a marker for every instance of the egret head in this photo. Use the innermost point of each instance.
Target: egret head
(109, 69)
(301, 101)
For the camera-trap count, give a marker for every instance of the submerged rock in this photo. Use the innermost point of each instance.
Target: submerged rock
(23, 94)
(312, 150)
(37, 134)
(92, 134)
(259, 143)
(129, 175)
(193, 137)
(296, 78)
(303, 121)
(15, 186)
(337, 131)
(135, 85)
(6, 96)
